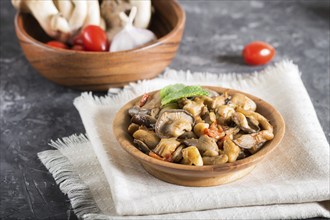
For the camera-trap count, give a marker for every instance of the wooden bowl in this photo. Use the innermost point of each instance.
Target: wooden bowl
(99, 71)
(205, 175)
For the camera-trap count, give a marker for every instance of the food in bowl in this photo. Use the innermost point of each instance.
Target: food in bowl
(196, 126)
(92, 25)
(98, 71)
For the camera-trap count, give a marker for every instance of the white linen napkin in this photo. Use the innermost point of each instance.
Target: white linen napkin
(78, 173)
(291, 179)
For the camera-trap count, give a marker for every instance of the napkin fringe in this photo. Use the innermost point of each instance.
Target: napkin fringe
(69, 182)
(73, 140)
(118, 96)
(256, 76)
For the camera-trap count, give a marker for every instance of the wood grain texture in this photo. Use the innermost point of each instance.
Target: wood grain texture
(98, 71)
(205, 175)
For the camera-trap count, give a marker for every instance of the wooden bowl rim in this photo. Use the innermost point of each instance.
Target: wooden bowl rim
(131, 149)
(180, 24)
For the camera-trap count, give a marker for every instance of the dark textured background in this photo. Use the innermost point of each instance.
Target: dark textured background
(34, 110)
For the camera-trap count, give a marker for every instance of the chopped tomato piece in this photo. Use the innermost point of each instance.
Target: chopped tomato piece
(214, 131)
(78, 47)
(57, 44)
(156, 156)
(144, 99)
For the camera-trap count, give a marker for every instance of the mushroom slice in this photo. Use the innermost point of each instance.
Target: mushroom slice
(230, 131)
(210, 153)
(190, 142)
(173, 123)
(224, 113)
(243, 154)
(132, 128)
(187, 135)
(231, 150)
(254, 140)
(144, 148)
(191, 156)
(209, 117)
(221, 159)
(216, 101)
(168, 106)
(135, 110)
(143, 119)
(207, 145)
(154, 112)
(146, 136)
(166, 147)
(199, 128)
(243, 102)
(141, 146)
(177, 154)
(253, 123)
(193, 107)
(244, 123)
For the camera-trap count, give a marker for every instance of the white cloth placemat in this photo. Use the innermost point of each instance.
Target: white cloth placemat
(296, 172)
(77, 171)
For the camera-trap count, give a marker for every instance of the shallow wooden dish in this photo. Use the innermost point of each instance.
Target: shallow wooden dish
(206, 175)
(102, 70)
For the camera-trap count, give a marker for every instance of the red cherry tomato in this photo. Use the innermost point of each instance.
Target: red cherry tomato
(78, 47)
(78, 40)
(108, 45)
(258, 53)
(57, 44)
(94, 38)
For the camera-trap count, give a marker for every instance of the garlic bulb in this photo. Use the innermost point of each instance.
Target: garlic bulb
(130, 37)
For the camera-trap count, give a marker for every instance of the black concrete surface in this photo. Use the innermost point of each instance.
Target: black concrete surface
(34, 110)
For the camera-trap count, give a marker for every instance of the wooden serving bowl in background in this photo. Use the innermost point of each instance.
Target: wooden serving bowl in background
(99, 71)
(209, 175)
